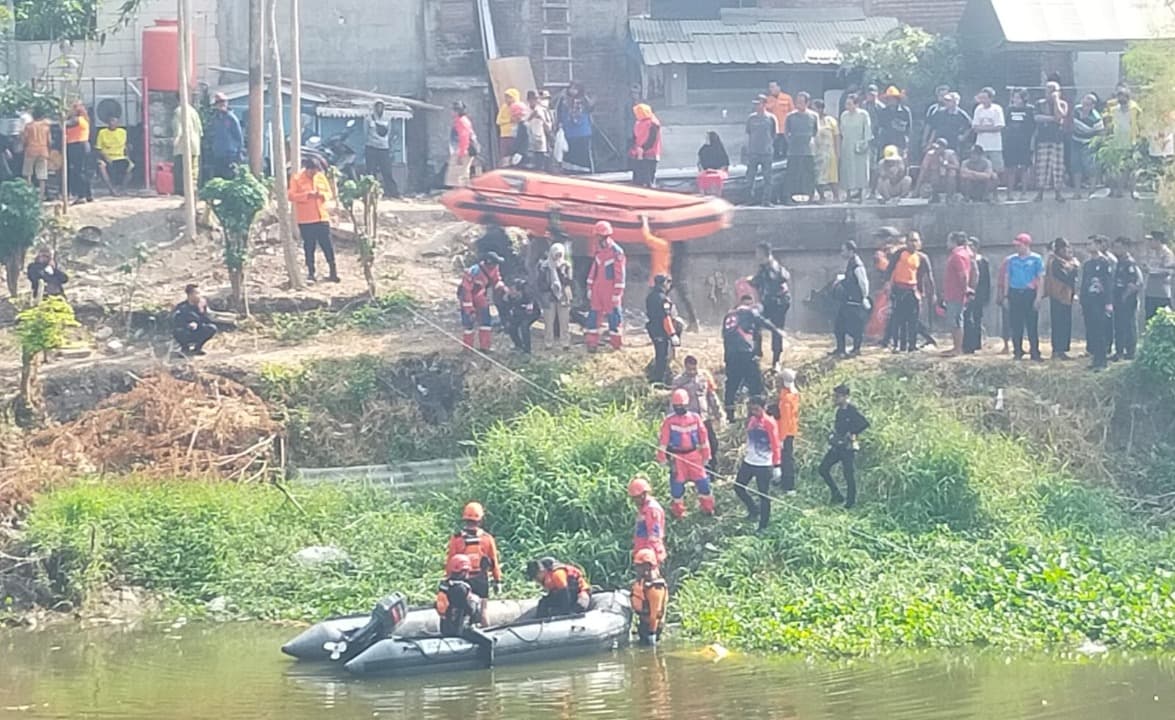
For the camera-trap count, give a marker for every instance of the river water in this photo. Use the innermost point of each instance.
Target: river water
(235, 672)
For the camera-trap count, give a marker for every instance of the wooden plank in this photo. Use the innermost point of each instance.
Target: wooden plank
(511, 72)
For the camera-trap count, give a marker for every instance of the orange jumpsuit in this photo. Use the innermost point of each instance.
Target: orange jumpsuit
(483, 556)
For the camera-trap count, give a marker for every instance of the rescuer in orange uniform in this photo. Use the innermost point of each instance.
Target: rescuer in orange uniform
(479, 546)
(478, 285)
(461, 609)
(650, 519)
(650, 597)
(605, 285)
(685, 447)
(567, 586)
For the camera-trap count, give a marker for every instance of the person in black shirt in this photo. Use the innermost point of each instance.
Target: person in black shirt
(1019, 128)
(45, 276)
(853, 292)
(977, 300)
(842, 447)
(951, 123)
(892, 122)
(773, 283)
(1097, 304)
(191, 326)
(738, 343)
(1127, 283)
(662, 328)
(522, 311)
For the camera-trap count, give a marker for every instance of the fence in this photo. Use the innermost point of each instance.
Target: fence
(406, 478)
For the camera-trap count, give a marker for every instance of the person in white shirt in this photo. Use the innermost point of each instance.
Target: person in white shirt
(377, 156)
(988, 123)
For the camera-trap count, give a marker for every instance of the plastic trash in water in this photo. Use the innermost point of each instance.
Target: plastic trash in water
(715, 652)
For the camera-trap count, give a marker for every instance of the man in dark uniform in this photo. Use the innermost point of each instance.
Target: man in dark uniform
(1097, 302)
(191, 326)
(842, 447)
(742, 361)
(854, 302)
(662, 327)
(773, 283)
(1127, 284)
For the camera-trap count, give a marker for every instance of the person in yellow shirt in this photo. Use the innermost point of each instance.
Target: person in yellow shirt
(77, 153)
(113, 164)
(310, 191)
(510, 107)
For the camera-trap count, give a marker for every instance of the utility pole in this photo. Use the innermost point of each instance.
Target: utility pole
(185, 91)
(278, 149)
(256, 140)
(295, 86)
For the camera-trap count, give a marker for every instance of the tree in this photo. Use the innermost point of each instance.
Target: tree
(910, 58)
(20, 222)
(256, 85)
(1151, 74)
(285, 222)
(40, 329)
(236, 203)
(367, 191)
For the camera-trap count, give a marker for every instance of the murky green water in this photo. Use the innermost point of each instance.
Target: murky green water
(235, 672)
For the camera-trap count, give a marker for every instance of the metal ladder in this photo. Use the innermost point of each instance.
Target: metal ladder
(557, 66)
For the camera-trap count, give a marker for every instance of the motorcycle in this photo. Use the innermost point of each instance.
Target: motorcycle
(335, 151)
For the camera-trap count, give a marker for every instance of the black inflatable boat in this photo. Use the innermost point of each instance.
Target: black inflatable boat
(393, 640)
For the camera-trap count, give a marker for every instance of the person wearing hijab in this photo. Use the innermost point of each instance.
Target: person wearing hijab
(646, 146)
(713, 165)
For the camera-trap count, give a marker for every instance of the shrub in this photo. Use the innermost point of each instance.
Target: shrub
(1157, 352)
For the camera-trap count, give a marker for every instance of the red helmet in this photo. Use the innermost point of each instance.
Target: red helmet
(644, 556)
(638, 486)
(458, 564)
(473, 511)
(604, 228)
(680, 397)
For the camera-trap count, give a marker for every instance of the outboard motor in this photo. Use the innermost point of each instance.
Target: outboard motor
(387, 615)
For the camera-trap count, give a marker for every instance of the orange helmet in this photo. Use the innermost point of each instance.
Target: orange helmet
(638, 486)
(680, 397)
(604, 228)
(458, 564)
(473, 511)
(644, 556)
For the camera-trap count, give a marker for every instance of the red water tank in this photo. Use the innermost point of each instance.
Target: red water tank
(161, 49)
(165, 178)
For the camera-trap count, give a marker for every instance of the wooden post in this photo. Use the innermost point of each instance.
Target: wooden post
(295, 86)
(64, 149)
(277, 133)
(185, 109)
(256, 130)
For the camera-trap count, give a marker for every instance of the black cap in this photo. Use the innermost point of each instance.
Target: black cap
(842, 390)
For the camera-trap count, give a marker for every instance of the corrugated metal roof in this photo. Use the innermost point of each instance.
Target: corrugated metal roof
(709, 42)
(1055, 21)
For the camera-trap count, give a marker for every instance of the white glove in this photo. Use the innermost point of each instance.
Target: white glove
(776, 474)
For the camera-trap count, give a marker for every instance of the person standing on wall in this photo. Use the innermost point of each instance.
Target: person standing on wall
(1020, 121)
(1160, 266)
(842, 448)
(646, 146)
(1127, 284)
(1025, 290)
(227, 140)
(310, 191)
(772, 282)
(1097, 300)
(800, 128)
(77, 153)
(988, 123)
(762, 130)
(573, 115)
(605, 287)
(538, 131)
(1060, 285)
(738, 343)
(1051, 115)
(377, 156)
(854, 302)
(510, 110)
(779, 105)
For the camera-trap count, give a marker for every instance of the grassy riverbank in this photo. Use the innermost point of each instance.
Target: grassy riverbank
(976, 525)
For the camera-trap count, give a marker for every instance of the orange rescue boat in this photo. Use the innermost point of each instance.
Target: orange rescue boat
(528, 200)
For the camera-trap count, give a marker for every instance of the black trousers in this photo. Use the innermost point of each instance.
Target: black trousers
(78, 157)
(762, 477)
(1125, 327)
(906, 309)
(712, 466)
(850, 322)
(800, 178)
(777, 316)
(378, 162)
(1061, 318)
(193, 340)
(1022, 311)
(660, 371)
(742, 370)
(972, 327)
(845, 456)
(224, 167)
(1099, 328)
(1153, 304)
(644, 172)
(787, 463)
(317, 235)
(519, 330)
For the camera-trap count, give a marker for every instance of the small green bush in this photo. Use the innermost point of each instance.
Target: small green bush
(1156, 354)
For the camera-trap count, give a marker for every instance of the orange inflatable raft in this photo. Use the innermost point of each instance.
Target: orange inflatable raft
(528, 200)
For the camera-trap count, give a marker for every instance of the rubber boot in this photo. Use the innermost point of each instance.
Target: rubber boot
(467, 339)
(706, 504)
(677, 507)
(592, 340)
(484, 338)
(334, 274)
(616, 340)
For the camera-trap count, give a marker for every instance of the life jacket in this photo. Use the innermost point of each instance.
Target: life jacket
(572, 578)
(480, 548)
(650, 599)
(457, 605)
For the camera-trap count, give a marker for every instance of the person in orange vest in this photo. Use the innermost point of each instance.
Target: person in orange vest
(685, 448)
(650, 519)
(77, 153)
(309, 191)
(478, 285)
(789, 428)
(650, 597)
(567, 586)
(479, 546)
(646, 146)
(605, 286)
(461, 609)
